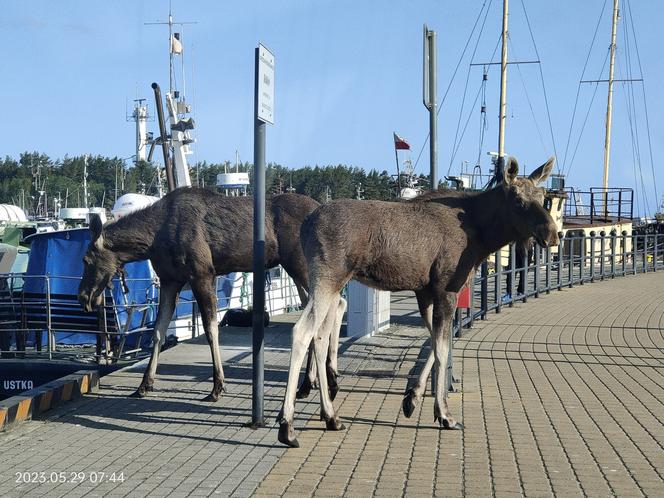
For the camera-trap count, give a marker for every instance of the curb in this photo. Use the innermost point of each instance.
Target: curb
(32, 403)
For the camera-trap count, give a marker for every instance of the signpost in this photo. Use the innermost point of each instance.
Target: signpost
(429, 100)
(263, 113)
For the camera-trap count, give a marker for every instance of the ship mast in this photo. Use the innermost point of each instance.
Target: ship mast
(503, 96)
(609, 104)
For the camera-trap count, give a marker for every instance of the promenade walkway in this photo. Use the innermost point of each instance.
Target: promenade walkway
(561, 396)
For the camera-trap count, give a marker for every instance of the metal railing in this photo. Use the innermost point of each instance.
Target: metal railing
(578, 260)
(35, 324)
(599, 204)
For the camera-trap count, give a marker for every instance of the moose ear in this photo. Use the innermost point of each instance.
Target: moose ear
(95, 230)
(543, 172)
(511, 170)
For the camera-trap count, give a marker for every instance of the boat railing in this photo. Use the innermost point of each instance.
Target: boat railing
(35, 321)
(599, 205)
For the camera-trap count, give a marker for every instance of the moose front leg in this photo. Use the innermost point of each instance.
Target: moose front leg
(204, 292)
(167, 295)
(443, 309)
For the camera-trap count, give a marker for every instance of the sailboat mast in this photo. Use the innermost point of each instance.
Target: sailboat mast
(609, 105)
(503, 91)
(170, 52)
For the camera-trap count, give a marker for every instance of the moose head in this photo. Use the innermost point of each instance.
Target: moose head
(100, 264)
(525, 203)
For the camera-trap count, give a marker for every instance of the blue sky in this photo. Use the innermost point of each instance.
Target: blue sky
(348, 74)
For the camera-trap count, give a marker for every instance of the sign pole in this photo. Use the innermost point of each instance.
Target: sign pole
(264, 108)
(429, 100)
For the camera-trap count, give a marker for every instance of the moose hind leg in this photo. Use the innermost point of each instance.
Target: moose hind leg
(167, 295)
(204, 292)
(442, 323)
(309, 322)
(333, 348)
(321, 346)
(416, 392)
(309, 380)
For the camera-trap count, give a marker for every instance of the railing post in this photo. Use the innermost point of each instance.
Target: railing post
(635, 239)
(548, 269)
(592, 255)
(512, 273)
(624, 252)
(484, 288)
(561, 257)
(471, 314)
(449, 374)
(537, 252)
(654, 251)
(570, 267)
(602, 238)
(194, 318)
(582, 257)
(645, 253)
(613, 253)
(523, 275)
(498, 267)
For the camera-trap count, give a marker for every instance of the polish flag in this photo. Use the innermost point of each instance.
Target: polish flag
(400, 143)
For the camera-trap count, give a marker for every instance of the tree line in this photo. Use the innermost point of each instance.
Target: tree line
(38, 183)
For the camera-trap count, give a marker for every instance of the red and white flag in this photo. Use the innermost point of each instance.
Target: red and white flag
(400, 143)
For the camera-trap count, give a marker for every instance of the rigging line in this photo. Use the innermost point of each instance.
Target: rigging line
(546, 99)
(525, 91)
(456, 145)
(465, 126)
(465, 91)
(576, 148)
(426, 140)
(483, 121)
(464, 52)
(645, 106)
(583, 72)
(631, 105)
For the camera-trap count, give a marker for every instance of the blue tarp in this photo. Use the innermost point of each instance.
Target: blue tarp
(59, 255)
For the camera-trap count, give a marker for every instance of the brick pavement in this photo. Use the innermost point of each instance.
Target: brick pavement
(561, 396)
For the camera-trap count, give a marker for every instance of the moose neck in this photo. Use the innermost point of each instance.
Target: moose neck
(491, 217)
(132, 236)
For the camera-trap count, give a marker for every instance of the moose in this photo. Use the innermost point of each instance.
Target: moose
(430, 245)
(190, 236)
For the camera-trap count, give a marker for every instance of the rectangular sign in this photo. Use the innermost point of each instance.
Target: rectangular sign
(265, 86)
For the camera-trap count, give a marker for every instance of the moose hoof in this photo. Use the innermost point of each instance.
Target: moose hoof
(409, 403)
(304, 390)
(287, 435)
(449, 425)
(216, 392)
(142, 391)
(334, 424)
(456, 426)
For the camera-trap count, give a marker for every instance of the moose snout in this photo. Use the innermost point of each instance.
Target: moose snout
(88, 302)
(547, 236)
